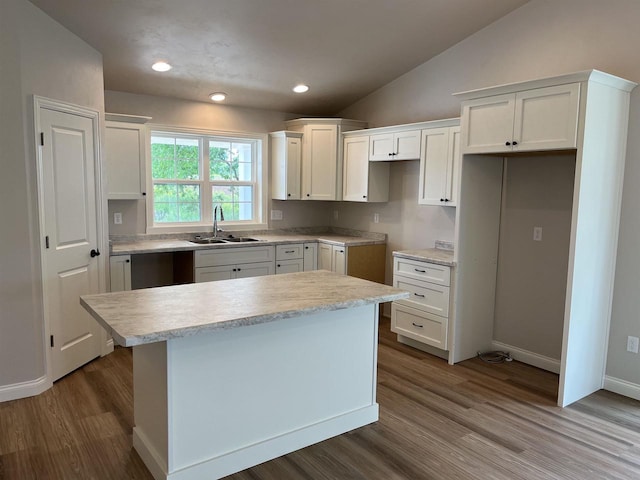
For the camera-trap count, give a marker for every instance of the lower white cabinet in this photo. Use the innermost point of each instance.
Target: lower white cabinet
(424, 316)
(332, 258)
(224, 264)
(310, 256)
(120, 273)
(289, 258)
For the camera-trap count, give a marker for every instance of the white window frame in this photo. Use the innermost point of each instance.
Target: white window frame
(260, 172)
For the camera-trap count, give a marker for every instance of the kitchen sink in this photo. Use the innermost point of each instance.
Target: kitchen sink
(206, 241)
(211, 240)
(241, 239)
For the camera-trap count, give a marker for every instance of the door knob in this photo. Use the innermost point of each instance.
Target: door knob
(94, 253)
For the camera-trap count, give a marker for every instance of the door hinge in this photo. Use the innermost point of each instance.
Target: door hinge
(46, 241)
(51, 339)
(42, 138)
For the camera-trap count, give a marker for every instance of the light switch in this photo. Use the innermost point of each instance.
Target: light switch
(632, 344)
(117, 218)
(276, 214)
(537, 234)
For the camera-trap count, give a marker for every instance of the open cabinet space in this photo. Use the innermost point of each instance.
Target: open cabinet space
(502, 196)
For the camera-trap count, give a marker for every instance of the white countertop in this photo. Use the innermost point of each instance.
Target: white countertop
(173, 245)
(432, 255)
(152, 315)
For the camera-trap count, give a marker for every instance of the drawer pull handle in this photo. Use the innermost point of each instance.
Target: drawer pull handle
(417, 325)
(289, 251)
(419, 295)
(420, 271)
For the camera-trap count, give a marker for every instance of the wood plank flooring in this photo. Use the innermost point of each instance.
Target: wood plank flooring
(470, 421)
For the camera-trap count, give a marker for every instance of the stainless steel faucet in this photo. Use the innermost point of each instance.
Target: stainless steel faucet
(216, 230)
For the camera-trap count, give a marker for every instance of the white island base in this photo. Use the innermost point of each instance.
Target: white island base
(212, 404)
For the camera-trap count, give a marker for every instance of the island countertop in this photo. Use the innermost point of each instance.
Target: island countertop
(151, 315)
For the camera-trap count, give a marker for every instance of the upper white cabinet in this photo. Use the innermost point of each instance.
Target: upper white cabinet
(322, 155)
(125, 147)
(531, 120)
(439, 165)
(363, 181)
(400, 145)
(286, 161)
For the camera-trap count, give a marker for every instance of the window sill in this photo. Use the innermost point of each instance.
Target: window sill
(200, 227)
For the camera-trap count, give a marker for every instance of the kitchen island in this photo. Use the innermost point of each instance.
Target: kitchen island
(230, 374)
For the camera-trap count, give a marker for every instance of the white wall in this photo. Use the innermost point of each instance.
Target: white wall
(542, 38)
(206, 116)
(37, 56)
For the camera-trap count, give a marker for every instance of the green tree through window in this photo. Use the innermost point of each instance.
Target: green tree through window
(192, 174)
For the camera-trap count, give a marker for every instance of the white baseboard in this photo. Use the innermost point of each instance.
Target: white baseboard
(530, 358)
(31, 388)
(622, 387)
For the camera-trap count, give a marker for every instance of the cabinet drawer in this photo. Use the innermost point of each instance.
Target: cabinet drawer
(427, 296)
(232, 256)
(419, 325)
(429, 272)
(289, 252)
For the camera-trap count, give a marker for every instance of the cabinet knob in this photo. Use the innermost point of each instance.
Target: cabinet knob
(442, 199)
(507, 143)
(308, 195)
(234, 270)
(446, 199)
(515, 143)
(127, 261)
(288, 194)
(364, 196)
(391, 154)
(278, 265)
(306, 248)
(239, 269)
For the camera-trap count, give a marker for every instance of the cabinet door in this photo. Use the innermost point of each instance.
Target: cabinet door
(120, 272)
(320, 162)
(124, 156)
(310, 253)
(487, 124)
(245, 270)
(289, 266)
(406, 145)
(339, 260)
(212, 274)
(381, 147)
(286, 158)
(325, 255)
(453, 167)
(356, 169)
(546, 118)
(434, 166)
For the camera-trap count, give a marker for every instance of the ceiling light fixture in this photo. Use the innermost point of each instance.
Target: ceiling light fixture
(301, 88)
(161, 67)
(218, 96)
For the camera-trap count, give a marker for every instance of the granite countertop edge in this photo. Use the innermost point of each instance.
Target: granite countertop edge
(177, 245)
(136, 340)
(431, 255)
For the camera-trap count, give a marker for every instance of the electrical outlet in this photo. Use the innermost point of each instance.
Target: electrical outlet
(632, 344)
(276, 214)
(376, 218)
(537, 234)
(335, 214)
(117, 218)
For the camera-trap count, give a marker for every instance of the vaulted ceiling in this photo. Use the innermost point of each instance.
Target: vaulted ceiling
(257, 50)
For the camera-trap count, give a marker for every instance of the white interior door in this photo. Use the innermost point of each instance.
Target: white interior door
(69, 217)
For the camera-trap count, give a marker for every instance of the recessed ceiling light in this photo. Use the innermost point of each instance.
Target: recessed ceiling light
(161, 67)
(301, 88)
(218, 96)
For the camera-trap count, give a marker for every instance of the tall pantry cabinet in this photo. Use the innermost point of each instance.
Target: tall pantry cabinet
(584, 115)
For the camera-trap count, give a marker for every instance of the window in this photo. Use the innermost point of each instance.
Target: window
(191, 174)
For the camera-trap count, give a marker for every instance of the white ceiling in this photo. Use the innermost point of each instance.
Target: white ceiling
(257, 50)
